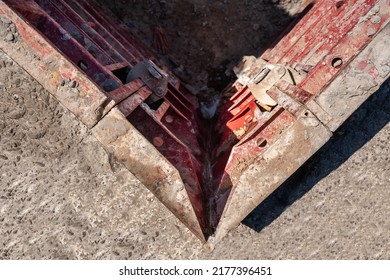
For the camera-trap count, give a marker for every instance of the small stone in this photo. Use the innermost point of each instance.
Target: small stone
(12, 28)
(17, 82)
(3, 157)
(37, 133)
(17, 112)
(6, 20)
(256, 26)
(40, 164)
(10, 37)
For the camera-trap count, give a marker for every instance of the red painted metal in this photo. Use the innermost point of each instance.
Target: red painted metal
(111, 28)
(325, 41)
(285, 43)
(349, 45)
(88, 39)
(330, 30)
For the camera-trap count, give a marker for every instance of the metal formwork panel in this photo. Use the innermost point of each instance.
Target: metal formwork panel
(283, 107)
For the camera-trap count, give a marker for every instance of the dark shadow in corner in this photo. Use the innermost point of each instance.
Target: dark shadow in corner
(362, 126)
(206, 37)
(295, 21)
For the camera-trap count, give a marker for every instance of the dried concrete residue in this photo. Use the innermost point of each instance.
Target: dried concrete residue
(8, 30)
(372, 14)
(62, 197)
(382, 50)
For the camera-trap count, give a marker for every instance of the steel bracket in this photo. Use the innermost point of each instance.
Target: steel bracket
(154, 77)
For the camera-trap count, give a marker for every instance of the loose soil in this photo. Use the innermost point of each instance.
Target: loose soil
(207, 38)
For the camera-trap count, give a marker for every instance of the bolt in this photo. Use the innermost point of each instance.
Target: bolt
(159, 92)
(10, 37)
(154, 72)
(158, 141)
(169, 119)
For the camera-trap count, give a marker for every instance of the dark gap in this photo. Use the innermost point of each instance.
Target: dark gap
(290, 27)
(219, 78)
(154, 105)
(121, 74)
(83, 65)
(207, 38)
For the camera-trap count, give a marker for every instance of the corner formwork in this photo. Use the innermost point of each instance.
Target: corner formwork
(284, 106)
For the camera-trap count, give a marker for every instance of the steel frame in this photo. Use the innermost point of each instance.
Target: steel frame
(81, 56)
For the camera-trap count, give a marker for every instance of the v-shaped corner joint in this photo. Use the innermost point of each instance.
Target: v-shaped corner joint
(210, 173)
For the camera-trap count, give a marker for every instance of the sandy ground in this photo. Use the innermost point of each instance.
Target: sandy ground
(62, 197)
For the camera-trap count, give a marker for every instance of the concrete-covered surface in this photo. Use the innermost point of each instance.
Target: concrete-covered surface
(62, 197)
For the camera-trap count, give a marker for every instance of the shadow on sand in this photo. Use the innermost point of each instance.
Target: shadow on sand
(362, 126)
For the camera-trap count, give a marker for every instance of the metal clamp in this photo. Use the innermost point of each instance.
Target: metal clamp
(154, 77)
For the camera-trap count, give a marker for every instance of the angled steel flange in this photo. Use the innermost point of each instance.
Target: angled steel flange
(283, 107)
